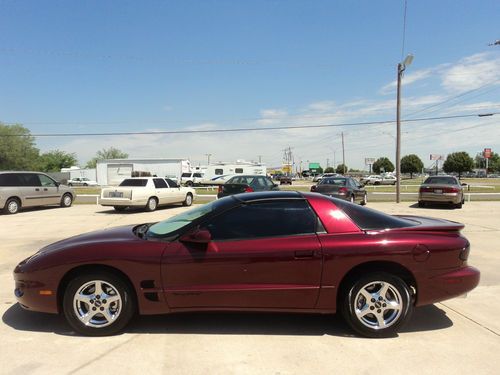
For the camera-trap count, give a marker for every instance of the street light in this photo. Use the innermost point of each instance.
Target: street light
(401, 68)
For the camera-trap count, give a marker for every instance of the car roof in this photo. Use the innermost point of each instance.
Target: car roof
(267, 195)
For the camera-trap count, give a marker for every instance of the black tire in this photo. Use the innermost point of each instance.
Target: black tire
(120, 208)
(189, 200)
(70, 184)
(459, 205)
(76, 311)
(66, 200)
(189, 183)
(421, 204)
(352, 199)
(376, 183)
(12, 206)
(365, 200)
(369, 325)
(152, 204)
(85, 184)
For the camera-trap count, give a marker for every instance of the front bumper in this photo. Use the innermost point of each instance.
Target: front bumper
(448, 285)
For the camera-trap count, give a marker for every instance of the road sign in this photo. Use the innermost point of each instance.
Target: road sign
(487, 153)
(369, 161)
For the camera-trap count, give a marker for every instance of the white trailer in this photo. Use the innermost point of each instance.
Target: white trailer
(219, 173)
(75, 172)
(113, 171)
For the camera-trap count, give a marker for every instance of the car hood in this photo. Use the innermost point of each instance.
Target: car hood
(117, 234)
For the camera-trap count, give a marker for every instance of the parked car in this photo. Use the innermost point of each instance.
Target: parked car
(81, 181)
(246, 184)
(378, 180)
(319, 177)
(191, 178)
(147, 192)
(276, 251)
(346, 188)
(286, 180)
(30, 189)
(441, 189)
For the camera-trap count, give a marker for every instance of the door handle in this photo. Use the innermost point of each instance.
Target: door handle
(301, 254)
(37, 189)
(45, 189)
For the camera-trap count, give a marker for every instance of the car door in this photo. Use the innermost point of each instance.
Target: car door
(261, 255)
(177, 194)
(49, 189)
(358, 190)
(162, 191)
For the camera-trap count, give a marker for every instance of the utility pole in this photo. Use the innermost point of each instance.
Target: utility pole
(343, 153)
(401, 68)
(327, 163)
(208, 158)
(260, 158)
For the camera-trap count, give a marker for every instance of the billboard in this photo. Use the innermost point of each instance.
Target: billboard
(369, 161)
(487, 153)
(437, 157)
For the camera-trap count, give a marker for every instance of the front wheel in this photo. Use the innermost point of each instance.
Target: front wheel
(188, 201)
(377, 305)
(189, 183)
(365, 200)
(98, 304)
(66, 200)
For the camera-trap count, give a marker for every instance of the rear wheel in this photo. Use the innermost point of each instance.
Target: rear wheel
(152, 204)
(459, 205)
(188, 201)
(98, 304)
(12, 206)
(377, 305)
(66, 200)
(189, 183)
(421, 204)
(376, 183)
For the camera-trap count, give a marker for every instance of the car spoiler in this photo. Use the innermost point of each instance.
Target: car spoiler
(431, 224)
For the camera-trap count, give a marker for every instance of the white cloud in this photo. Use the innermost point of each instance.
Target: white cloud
(408, 80)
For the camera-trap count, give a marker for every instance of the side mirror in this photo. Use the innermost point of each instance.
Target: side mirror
(463, 184)
(198, 236)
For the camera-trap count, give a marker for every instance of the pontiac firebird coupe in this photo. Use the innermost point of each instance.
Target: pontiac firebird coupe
(269, 251)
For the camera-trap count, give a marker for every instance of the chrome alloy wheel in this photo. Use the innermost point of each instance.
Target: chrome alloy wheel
(97, 304)
(378, 305)
(189, 200)
(67, 200)
(13, 207)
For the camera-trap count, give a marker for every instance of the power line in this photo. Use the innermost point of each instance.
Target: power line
(234, 130)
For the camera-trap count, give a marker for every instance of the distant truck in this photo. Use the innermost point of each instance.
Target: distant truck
(191, 178)
(378, 180)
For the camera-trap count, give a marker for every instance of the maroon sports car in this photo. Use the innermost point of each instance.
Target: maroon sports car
(270, 251)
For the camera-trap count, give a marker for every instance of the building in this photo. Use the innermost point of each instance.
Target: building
(114, 171)
(76, 172)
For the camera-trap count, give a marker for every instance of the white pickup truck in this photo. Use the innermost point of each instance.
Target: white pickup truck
(378, 180)
(147, 192)
(191, 178)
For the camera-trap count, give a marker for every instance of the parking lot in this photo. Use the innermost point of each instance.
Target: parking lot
(457, 336)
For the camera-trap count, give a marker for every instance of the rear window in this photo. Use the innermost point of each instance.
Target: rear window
(441, 181)
(333, 181)
(9, 179)
(134, 182)
(368, 219)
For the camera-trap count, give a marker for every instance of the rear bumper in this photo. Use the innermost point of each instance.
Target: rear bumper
(454, 198)
(448, 285)
(121, 202)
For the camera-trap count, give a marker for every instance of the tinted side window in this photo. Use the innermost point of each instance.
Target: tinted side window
(197, 175)
(160, 183)
(265, 219)
(219, 171)
(238, 170)
(29, 179)
(172, 183)
(10, 179)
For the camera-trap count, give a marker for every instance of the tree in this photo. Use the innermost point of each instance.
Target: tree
(341, 168)
(458, 162)
(383, 164)
(17, 148)
(411, 164)
(329, 170)
(494, 162)
(53, 161)
(110, 153)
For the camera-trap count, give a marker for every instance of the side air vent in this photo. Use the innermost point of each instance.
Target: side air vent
(152, 296)
(147, 284)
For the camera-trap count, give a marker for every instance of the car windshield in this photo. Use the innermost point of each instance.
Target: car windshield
(134, 182)
(186, 175)
(173, 224)
(333, 181)
(441, 181)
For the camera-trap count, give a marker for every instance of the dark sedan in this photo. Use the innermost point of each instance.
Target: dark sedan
(246, 184)
(342, 187)
(272, 251)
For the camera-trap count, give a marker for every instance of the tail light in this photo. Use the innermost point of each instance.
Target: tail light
(425, 189)
(343, 190)
(313, 188)
(451, 190)
(220, 189)
(248, 189)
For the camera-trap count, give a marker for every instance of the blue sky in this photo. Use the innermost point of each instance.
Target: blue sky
(74, 66)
